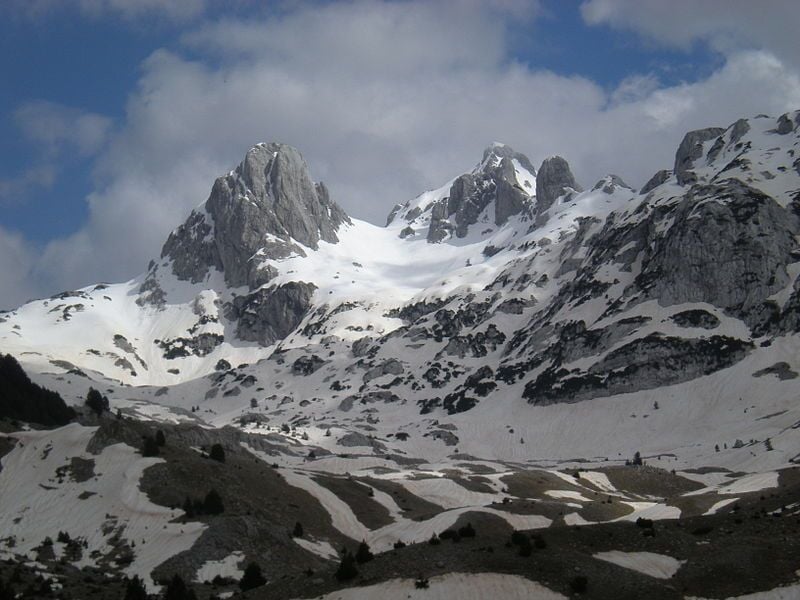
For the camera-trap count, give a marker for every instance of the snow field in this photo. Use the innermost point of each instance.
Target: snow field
(109, 503)
(659, 566)
(465, 586)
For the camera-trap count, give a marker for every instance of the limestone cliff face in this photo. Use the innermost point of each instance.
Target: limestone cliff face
(676, 282)
(267, 208)
(554, 180)
(493, 181)
(267, 205)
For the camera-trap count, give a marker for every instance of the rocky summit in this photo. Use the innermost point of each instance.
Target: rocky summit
(595, 385)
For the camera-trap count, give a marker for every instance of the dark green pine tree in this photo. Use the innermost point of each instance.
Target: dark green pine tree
(150, 446)
(363, 554)
(135, 589)
(178, 590)
(96, 402)
(298, 530)
(347, 568)
(217, 453)
(212, 505)
(252, 577)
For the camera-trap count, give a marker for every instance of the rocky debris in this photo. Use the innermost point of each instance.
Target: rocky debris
(782, 370)
(361, 346)
(124, 364)
(785, 125)
(192, 249)
(655, 181)
(151, 292)
(690, 149)
(270, 314)
(388, 367)
(448, 437)
(645, 363)
(395, 209)
(356, 439)
(477, 344)
(738, 130)
(493, 181)
(515, 306)
(610, 183)
(695, 318)
(306, 365)
(199, 345)
(553, 181)
(258, 209)
(121, 342)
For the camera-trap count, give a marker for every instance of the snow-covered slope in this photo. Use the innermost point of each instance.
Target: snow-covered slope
(508, 314)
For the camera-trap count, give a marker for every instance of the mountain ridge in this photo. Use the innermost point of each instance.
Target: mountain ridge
(568, 296)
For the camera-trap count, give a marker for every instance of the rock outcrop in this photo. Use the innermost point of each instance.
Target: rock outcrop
(655, 181)
(495, 180)
(691, 149)
(270, 314)
(553, 181)
(268, 206)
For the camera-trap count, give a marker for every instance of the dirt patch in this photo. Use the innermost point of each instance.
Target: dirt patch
(534, 484)
(650, 482)
(359, 498)
(413, 506)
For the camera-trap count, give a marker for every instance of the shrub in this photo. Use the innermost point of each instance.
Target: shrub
(161, 440)
(578, 584)
(518, 538)
(525, 548)
(135, 589)
(252, 577)
(421, 583)
(399, 544)
(188, 507)
(217, 453)
(149, 446)
(467, 531)
(298, 530)
(212, 504)
(434, 541)
(177, 590)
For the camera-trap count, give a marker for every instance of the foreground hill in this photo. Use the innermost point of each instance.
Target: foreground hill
(457, 365)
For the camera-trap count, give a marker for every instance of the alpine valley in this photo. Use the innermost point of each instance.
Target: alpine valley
(517, 387)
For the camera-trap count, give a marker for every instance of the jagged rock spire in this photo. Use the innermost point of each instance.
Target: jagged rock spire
(554, 180)
(264, 206)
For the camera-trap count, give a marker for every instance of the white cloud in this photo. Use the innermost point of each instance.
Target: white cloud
(384, 100)
(176, 10)
(728, 25)
(14, 189)
(17, 262)
(58, 127)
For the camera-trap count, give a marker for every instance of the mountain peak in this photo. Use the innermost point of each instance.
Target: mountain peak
(504, 180)
(553, 181)
(267, 205)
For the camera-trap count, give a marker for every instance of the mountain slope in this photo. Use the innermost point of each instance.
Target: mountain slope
(506, 289)
(510, 352)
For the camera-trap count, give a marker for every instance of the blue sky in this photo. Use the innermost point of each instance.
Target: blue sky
(116, 115)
